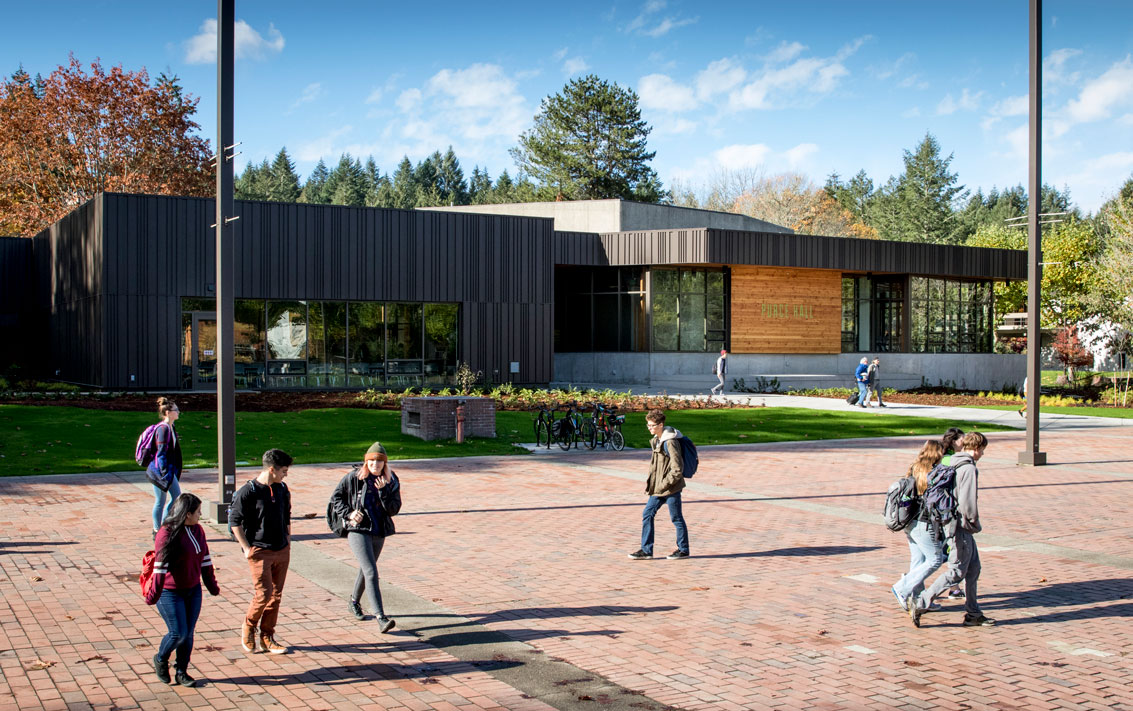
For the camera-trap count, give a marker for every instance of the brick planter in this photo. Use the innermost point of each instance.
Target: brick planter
(435, 417)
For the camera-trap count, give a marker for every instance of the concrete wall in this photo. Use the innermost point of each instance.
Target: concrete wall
(604, 216)
(691, 371)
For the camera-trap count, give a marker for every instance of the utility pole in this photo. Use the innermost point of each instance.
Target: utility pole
(1032, 456)
(225, 269)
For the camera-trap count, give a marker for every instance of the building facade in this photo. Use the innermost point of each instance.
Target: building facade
(341, 297)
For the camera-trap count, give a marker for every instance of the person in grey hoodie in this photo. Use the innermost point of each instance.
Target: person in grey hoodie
(664, 485)
(963, 557)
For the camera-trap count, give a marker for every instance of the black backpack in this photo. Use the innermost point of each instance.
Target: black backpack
(939, 498)
(690, 459)
(901, 504)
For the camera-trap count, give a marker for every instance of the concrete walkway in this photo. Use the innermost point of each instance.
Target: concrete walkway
(512, 590)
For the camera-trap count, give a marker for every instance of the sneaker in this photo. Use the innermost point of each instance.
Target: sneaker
(956, 594)
(356, 610)
(978, 621)
(387, 624)
(248, 638)
(161, 669)
(880, 405)
(934, 606)
(184, 679)
(1021, 414)
(901, 602)
(677, 555)
(639, 554)
(914, 611)
(268, 644)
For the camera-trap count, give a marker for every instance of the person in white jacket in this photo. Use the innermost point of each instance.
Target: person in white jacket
(963, 557)
(720, 370)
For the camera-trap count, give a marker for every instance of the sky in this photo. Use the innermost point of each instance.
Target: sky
(814, 88)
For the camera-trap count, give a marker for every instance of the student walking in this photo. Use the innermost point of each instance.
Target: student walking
(367, 499)
(950, 441)
(261, 523)
(873, 381)
(925, 547)
(164, 472)
(664, 485)
(963, 556)
(860, 375)
(182, 560)
(720, 370)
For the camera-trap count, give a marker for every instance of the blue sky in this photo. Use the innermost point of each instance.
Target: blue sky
(808, 87)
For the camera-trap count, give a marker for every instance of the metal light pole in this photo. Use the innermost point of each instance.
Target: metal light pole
(1032, 456)
(225, 272)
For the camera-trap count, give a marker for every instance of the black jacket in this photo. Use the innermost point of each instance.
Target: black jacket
(264, 512)
(383, 504)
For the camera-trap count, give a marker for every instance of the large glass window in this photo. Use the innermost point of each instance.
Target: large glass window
(873, 312)
(689, 310)
(367, 345)
(441, 328)
(286, 344)
(950, 316)
(600, 309)
(326, 361)
(249, 343)
(404, 352)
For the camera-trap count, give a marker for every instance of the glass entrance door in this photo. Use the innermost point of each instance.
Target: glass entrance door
(203, 340)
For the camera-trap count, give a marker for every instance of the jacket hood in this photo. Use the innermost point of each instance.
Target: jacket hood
(961, 458)
(670, 433)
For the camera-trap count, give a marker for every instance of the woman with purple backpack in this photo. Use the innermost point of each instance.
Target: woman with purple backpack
(164, 471)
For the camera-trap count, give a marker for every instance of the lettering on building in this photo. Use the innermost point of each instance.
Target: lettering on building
(786, 311)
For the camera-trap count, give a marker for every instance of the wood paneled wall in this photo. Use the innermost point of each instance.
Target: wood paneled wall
(786, 310)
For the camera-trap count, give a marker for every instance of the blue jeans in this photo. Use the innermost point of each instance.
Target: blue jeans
(675, 514)
(926, 554)
(179, 609)
(863, 393)
(160, 507)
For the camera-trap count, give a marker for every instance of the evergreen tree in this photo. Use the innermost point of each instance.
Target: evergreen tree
(403, 191)
(479, 187)
(504, 191)
(451, 180)
(314, 190)
(855, 195)
(346, 184)
(589, 142)
(373, 178)
(283, 183)
(254, 183)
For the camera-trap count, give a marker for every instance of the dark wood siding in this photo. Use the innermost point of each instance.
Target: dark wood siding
(155, 250)
(712, 246)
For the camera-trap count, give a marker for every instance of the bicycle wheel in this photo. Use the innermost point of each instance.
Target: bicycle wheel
(588, 434)
(566, 436)
(542, 434)
(617, 441)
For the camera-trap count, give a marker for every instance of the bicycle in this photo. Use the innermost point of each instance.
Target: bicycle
(572, 428)
(610, 427)
(543, 424)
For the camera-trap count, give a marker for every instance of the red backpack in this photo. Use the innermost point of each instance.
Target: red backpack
(147, 571)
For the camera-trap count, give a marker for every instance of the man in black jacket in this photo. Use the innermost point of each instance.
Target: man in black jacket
(261, 523)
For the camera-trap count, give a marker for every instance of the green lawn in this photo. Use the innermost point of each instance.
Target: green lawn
(1118, 412)
(53, 440)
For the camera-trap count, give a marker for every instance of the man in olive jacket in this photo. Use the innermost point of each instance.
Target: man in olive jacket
(664, 485)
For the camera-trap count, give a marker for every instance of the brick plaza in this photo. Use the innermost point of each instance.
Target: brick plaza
(511, 588)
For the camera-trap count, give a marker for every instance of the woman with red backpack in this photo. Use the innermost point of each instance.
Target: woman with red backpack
(164, 471)
(182, 560)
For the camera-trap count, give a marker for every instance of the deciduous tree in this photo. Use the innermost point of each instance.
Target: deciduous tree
(79, 133)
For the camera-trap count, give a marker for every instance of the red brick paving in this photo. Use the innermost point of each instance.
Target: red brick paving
(764, 616)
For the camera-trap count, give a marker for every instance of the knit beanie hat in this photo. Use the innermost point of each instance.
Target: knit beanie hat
(375, 449)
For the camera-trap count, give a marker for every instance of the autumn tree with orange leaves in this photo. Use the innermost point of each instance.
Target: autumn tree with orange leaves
(73, 135)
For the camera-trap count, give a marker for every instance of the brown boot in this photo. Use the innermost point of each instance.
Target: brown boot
(248, 638)
(268, 644)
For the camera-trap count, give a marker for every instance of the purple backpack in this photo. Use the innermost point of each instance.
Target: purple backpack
(146, 447)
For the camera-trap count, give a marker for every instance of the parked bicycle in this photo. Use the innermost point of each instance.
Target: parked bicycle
(573, 428)
(608, 427)
(543, 424)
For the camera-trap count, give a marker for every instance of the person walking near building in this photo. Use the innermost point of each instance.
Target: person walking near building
(963, 556)
(366, 500)
(721, 369)
(1023, 409)
(663, 485)
(261, 523)
(164, 472)
(949, 442)
(860, 376)
(181, 562)
(925, 548)
(873, 381)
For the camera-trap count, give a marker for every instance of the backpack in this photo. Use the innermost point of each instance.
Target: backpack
(900, 504)
(335, 522)
(690, 460)
(939, 498)
(714, 369)
(147, 571)
(146, 448)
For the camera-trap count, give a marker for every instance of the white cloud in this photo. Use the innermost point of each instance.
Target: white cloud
(719, 77)
(561, 54)
(375, 96)
(891, 69)
(575, 65)
(1005, 108)
(649, 23)
(248, 43)
(967, 102)
(738, 156)
(1054, 67)
(911, 113)
(776, 86)
(785, 52)
(1126, 120)
(659, 92)
(322, 146)
(310, 93)
(409, 100)
(1101, 95)
(799, 154)
(1018, 143)
(1096, 178)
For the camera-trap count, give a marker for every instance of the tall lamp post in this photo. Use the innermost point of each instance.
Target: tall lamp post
(225, 272)
(1032, 456)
